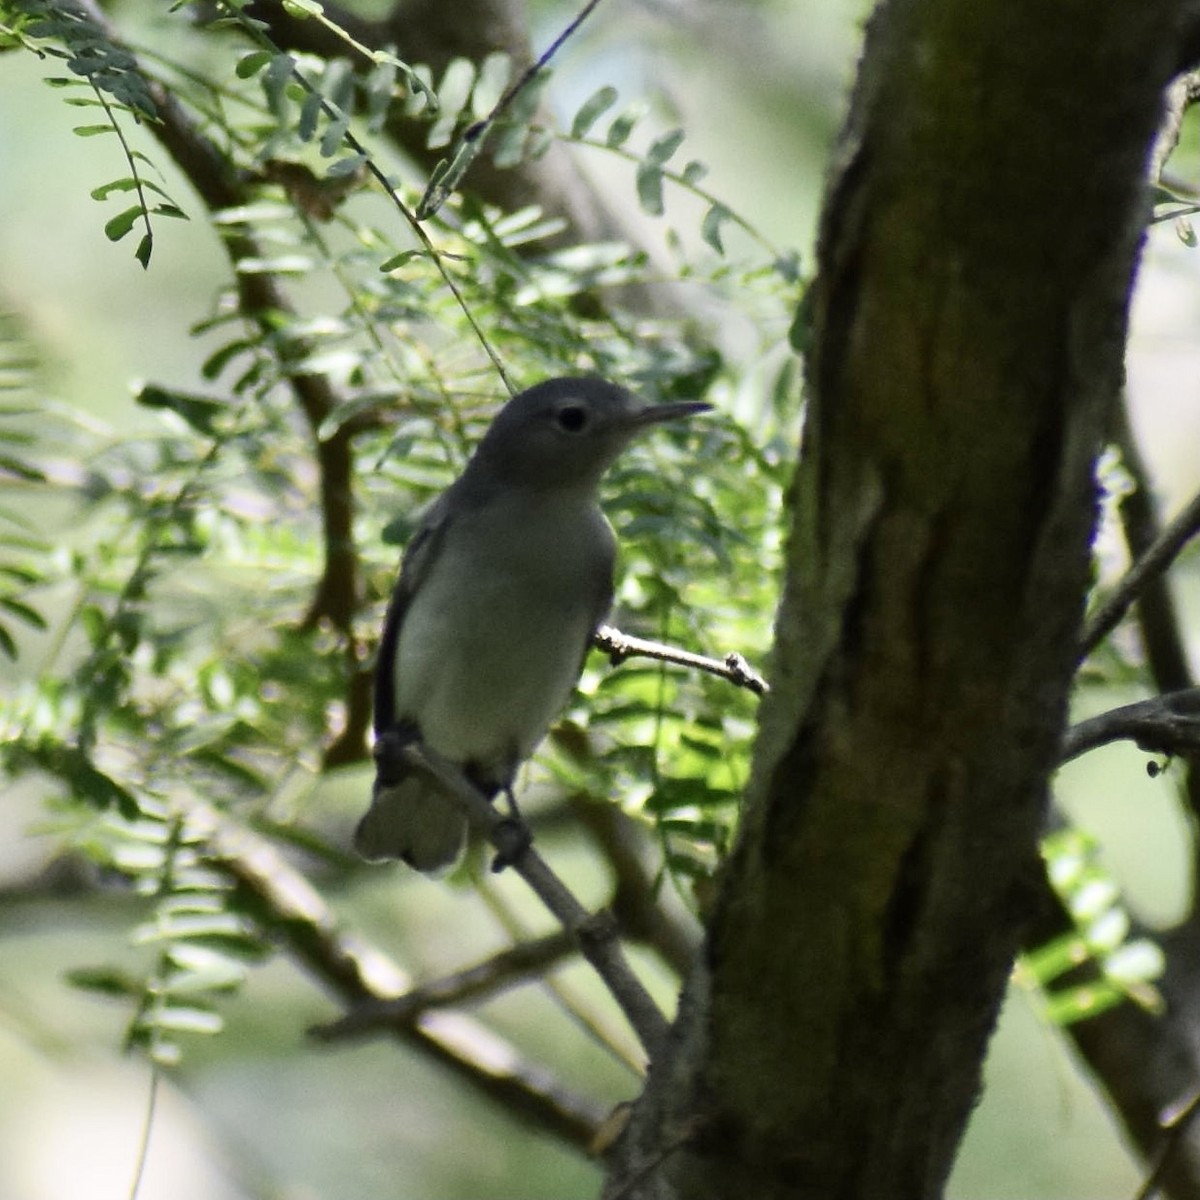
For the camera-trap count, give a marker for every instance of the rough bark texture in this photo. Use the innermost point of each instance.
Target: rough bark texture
(979, 243)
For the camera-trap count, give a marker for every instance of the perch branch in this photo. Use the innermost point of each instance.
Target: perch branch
(733, 667)
(1168, 724)
(595, 934)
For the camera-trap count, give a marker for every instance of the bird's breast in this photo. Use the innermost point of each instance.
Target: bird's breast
(493, 639)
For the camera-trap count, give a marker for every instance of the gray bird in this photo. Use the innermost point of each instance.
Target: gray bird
(500, 591)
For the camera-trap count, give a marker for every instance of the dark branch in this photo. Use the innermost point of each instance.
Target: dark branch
(595, 934)
(1167, 724)
(504, 970)
(1151, 564)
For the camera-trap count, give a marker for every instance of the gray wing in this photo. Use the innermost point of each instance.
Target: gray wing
(409, 818)
(417, 557)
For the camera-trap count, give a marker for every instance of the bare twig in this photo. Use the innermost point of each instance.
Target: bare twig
(733, 667)
(595, 934)
(291, 910)
(605, 1029)
(1168, 724)
(1150, 565)
(1156, 613)
(501, 971)
(1174, 1122)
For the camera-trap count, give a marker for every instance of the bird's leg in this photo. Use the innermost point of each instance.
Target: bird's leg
(388, 752)
(510, 835)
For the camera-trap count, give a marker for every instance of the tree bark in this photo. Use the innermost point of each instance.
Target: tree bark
(980, 238)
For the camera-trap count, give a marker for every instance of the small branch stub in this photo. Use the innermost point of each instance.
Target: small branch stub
(733, 667)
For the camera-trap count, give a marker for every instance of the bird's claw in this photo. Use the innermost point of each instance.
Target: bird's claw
(512, 838)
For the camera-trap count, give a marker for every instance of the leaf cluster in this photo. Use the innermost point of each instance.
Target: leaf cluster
(190, 666)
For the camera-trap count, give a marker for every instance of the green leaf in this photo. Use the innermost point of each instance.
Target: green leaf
(710, 227)
(117, 185)
(250, 64)
(399, 260)
(799, 332)
(23, 612)
(199, 412)
(694, 172)
(664, 147)
(310, 114)
(302, 10)
(276, 78)
(1071, 1005)
(193, 1019)
(622, 127)
(220, 358)
(592, 109)
(105, 981)
(345, 166)
(117, 227)
(85, 131)
(494, 74)
(649, 188)
(445, 178)
(144, 249)
(452, 93)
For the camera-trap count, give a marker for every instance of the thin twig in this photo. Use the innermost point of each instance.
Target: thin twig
(143, 1152)
(604, 1029)
(1153, 563)
(1168, 724)
(504, 970)
(733, 667)
(595, 933)
(527, 76)
(1174, 1123)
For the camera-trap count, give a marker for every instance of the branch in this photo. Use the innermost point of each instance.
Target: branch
(1168, 724)
(294, 913)
(501, 971)
(1149, 566)
(595, 934)
(1174, 1121)
(733, 667)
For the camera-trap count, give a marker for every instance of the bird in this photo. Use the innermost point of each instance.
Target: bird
(500, 590)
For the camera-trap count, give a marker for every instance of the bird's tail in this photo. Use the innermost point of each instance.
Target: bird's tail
(412, 820)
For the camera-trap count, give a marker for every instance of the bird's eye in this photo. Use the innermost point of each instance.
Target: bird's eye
(572, 418)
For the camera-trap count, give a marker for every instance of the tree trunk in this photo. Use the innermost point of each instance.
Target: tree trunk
(968, 320)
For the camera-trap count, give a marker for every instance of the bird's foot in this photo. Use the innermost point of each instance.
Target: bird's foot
(512, 838)
(390, 764)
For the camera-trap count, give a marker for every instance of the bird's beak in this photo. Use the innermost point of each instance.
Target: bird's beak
(653, 414)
